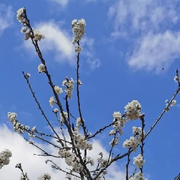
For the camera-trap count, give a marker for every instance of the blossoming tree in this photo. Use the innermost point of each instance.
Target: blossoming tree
(74, 146)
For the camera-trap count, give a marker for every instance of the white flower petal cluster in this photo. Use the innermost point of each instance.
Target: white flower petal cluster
(73, 161)
(4, 157)
(68, 176)
(45, 177)
(62, 118)
(17, 126)
(64, 153)
(133, 110)
(103, 162)
(114, 141)
(137, 131)
(119, 122)
(77, 49)
(41, 68)
(69, 87)
(20, 15)
(12, 116)
(90, 161)
(38, 36)
(138, 161)
(28, 75)
(173, 102)
(55, 110)
(138, 176)
(131, 143)
(176, 79)
(24, 177)
(78, 123)
(34, 129)
(81, 142)
(78, 28)
(58, 89)
(52, 101)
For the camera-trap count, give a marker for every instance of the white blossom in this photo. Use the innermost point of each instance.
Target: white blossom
(132, 142)
(173, 102)
(38, 35)
(55, 110)
(133, 110)
(12, 116)
(28, 75)
(23, 29)
(4, 157)
(138, 176)
(114, 141)
(20, 17)
(62, 118)
(34, 129)
(58, 89)
(69, 86)
(176, 78)
(45, 177)
(41, 68)
(138, 161)
(77, 49)
(52, 101)
(78, 28)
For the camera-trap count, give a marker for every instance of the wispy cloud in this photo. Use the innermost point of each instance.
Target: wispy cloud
(150, 24)
(56, 41)
(62, 3)
(35, 165)
(59, 41)
(89, 52)
(6, 17)
(154, 51)
(144, 15)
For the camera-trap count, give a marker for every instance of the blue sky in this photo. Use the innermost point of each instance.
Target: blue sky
(127, 43)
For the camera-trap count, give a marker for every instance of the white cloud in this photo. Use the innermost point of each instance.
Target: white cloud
(144, 14)
(150, 26)
(6, 17)
(35, 165)
(58, 41)
(155, 51)
(63, 3)
(89, 52)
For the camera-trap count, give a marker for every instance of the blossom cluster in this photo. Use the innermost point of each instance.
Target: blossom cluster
(36, 35)
(4, 157)
(138, 161)
(62, 118)
(176, 79)
(74, 161)
(52, 101)
(81, 142)
(58, 90)
(137, 131)
(138, 176)
(78, 28)
(45, 177)
(131, 143)
(18, 127)
(78, 123)
(69, 86)
(135, 140)
(41, 68)
(133, 110)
